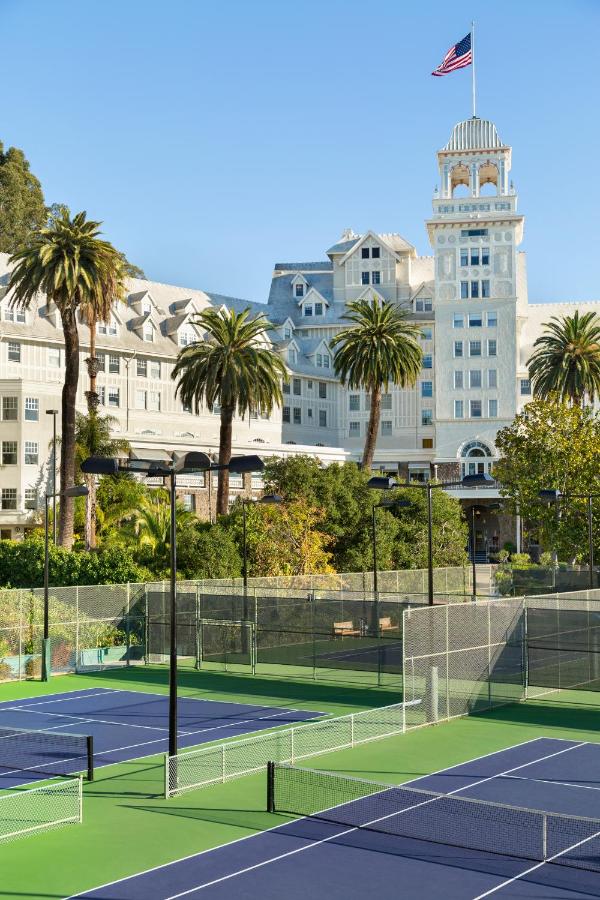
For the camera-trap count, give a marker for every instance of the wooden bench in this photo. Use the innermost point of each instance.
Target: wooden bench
(345, 629)
(385, 624)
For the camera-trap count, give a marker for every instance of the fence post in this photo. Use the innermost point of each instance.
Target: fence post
(198, 648)
(146, 626)
(76, 627)
(128, 623)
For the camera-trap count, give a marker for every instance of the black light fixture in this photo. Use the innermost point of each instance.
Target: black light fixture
(78, 490)
(193, 461)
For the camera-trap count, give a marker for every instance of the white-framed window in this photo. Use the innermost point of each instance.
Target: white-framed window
(142, 367)
(525, 387)
(493, 409)
(292, 355)
(141, 399)
(464, 290)
(297, 411)
(322, 418)
(309, 384)
(299, 290)
(114, 364)
(427, 389)
(10, 409)
(354, 429)
(458, 320)
(307, 310)
(423, 304)
(475, 378)
(319, 360)
(426, 416)
(109, 328)
(322, 390)
(474, 348)
(285, 387)
(485, 288)
(154, 369)
(310, 412)
(459, 409)
(326, 360)
(354, 402)
(285, 414)
(492, 318)
(148, 332)
(53, 357)
(15, 315)
(386, 426)
(475, 407)
(458, 379)
(364, 277)
(113, 396)
(287, 334)
(428, 361)
(188, 502)
(32, 409)
(318, 309)
(492, 347)
(101, 360)
(185, 336)
(9, 453)
(386, 401)
(475, 320)
(154, 401)
(492, 378)
(297, 387)
(458, 349)
(31, 453)
(31, 498)
(14, 351)
(9, 498)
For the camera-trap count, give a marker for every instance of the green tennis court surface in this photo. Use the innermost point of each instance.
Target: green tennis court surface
(128, 827)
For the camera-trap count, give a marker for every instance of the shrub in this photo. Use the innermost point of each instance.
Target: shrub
(521, 560)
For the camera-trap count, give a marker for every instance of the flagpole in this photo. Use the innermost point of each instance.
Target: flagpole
(473, 68)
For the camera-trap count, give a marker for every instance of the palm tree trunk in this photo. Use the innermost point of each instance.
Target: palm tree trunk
(92, 404)
(372, 429)
(69, 398)
(225, 436)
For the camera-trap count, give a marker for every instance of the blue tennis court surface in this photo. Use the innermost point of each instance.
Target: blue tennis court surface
(313, 858)
(127, 725)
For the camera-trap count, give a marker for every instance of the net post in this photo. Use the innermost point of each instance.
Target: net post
(271, 787)
(90, 757)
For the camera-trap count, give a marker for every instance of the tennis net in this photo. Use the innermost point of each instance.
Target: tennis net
(414, 814)
(44, 753)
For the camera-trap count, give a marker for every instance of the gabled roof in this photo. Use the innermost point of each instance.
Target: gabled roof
(342, 246)
(311, 296)
(325, 266)
(394, 243)
(299, 279)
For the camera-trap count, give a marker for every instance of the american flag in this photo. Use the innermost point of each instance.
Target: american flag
(457, 57)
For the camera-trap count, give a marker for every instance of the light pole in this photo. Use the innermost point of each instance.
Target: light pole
(194, 461)
(53, 413)
(78, 490)
(549, 496)
(378, 482)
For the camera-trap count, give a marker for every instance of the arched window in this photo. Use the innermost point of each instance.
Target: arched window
(488, 180)
(476, 458)
(459, 176)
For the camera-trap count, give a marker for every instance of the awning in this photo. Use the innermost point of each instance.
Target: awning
(155, 455)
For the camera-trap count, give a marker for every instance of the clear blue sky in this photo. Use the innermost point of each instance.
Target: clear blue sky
(215, 138)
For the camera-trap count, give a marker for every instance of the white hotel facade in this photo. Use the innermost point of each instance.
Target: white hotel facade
(469, 296)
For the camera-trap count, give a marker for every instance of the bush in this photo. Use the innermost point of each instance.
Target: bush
(521, 560)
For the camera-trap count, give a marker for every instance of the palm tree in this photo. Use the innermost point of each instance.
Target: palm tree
(93, 437)
(152, 525)
(380, 348)
(566, 359)
(233, 368)
(75, 269)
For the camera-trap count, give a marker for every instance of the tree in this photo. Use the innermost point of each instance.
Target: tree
(208, 551)
(74, 268)
(380, 348)
(566, 359)
(551, 445)
(22, 207)
(93, 437)
(232, 367)
(151, 528)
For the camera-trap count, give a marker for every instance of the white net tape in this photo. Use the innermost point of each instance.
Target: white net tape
(221, 762)
(38, 809)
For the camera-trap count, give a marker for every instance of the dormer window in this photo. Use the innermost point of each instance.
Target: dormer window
(299, 288)
(109, 328)
(374, 252)
(318, 309)
(292, 355)
(308, 310)
(365, 252)
(287, 333)
(149, 332)
(423, 304)
(15, 315)
(186, 337)
(146, 308)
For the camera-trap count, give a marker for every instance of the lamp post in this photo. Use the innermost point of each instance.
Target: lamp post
(78, 490)
(194, 461)
(378, 482)
(549, 495)
(53, 413)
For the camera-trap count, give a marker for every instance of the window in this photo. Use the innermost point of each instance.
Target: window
(53, 358)
(364, 277)
(485, 288)
(149, 333)
(374, 252)
(354, 402)
(287, 333)
(292, 355)
(113, 396)
(32, 409)
(101, 391)
(386, 426)
(114, 364)
(141, 399)
(458, 320)
(107, 328)
(9, 453)
(326, 360)
(297, 416)
(426, 334)
(464, 290)
(154, 401)
(31, 500)
(323, 418)
(15, 315)
(458, 349)
(297, 384)
(189, 502)
(458, 409)
(474, 348)
(492, 377)
(426, 416)
(319, 360)
(10, 409)
(493, 409)
(475, 409)
(310, 412)
(475, 289)
(475, 378)
(31, 453)
(492, 319)
(307, 310)
(424, 305)
(14, 351)
(364, 252)
(485, 256)
(309, 385)
(427, 443)
(386, 401)
(318, 309)
(428, 361)
(299, 290)
(492, 347)
(464, 256)
(142, 367)
(285, 387)
(185, 336)
(9, 498)
(475, 320)
(354, 429)
(458, 379)
(101, 358)
(286, 414)
(322, 390)
(525, 387)
(474, 256)
(474, 232)
(375, 277)
(426, 389)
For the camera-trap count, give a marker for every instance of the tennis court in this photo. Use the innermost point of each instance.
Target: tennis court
(41, 736)
(470, 831)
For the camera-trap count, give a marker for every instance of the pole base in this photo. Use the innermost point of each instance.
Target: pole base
(46, 660)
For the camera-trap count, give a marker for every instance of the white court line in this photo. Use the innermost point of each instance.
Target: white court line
(280, 827)
(86, 719)
(571, 784)
(58, 700)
